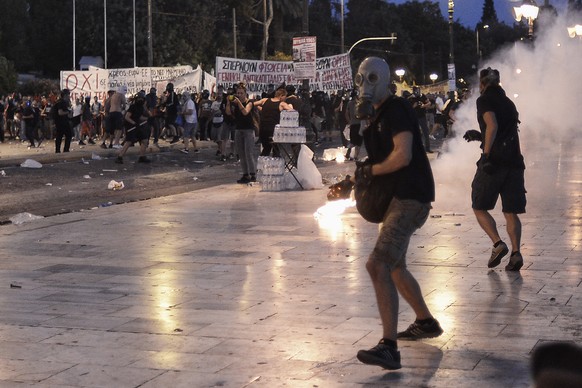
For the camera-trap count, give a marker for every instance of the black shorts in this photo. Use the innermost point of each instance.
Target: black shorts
(509, 183)
(138, 134)
(114, 122)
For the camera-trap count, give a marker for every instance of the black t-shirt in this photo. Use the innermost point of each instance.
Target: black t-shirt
(414, 181)
(270, 116)
(242, 121)
(29, 113)
(136, 111)
(494, 100)
(61, 122)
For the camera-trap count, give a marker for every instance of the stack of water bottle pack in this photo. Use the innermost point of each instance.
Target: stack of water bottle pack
(270, 173)
(288, 129)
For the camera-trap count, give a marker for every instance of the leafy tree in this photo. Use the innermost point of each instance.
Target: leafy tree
(39, 87)
(8, 76)
(489, 14)
(325, 27)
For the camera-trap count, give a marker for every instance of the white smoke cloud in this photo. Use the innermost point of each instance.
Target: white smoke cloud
(544, 80)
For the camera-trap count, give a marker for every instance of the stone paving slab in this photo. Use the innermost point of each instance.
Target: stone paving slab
(234, 287)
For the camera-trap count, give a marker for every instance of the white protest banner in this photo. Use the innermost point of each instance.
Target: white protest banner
(189, 82)
(256, 74)
(169, 73)
(136, 79)
(209, 82)
(332, 73)
(85, 83)
(304, 55)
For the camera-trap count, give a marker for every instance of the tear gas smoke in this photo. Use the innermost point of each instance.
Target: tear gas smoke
(544, 80)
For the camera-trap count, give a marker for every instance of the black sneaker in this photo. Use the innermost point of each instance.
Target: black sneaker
(497, 253)
(175, 140)
(244, 179)
(143, 159)
(421, 330)
(81, 142)
(253, 178)
(103, 145)
(515, 262)
(119, 160)
(381, 355)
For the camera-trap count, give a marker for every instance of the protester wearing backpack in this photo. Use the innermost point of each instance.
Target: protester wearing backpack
(397, 165)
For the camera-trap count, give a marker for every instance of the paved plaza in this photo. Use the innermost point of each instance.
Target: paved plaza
(235, 287)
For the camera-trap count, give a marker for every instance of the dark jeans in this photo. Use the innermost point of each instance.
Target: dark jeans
(67, 132)
(30, 131)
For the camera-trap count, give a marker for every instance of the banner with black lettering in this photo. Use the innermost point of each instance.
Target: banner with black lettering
(332, 73)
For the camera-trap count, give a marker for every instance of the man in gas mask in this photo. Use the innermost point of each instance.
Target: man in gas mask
(395, 150)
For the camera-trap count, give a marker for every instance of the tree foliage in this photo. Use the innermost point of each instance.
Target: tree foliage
(37, 35)
(8, 76)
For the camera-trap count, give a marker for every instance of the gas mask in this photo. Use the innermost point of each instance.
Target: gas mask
(373, 82)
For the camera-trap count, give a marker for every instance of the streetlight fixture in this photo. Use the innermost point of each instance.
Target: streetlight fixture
(433, 77)
(400, 73)
(479, 53)
(528, 10)
(575, 31)
(451, 73)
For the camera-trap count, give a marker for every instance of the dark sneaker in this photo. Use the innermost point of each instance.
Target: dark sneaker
(81, 142)
(91, 141)
(175, 140)
(421, 330)
(515, 262)
(143, 159)
(244, 179)
(223, 158)
(253, 178)
(119, 160)
(196, 151)
(381, 355)
(103, 145)
(497, 254)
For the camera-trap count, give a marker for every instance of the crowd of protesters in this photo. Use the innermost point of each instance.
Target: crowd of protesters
(192, 117)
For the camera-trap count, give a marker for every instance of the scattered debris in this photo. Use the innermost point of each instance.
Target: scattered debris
(12, 285)
(86, 176)
(94, 156)
(30, 163)
(114, 185)
(21, 218)
(436, 216)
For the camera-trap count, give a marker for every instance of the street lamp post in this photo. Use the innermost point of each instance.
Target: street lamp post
(393, 37)
(528, 10)
(451, 68)
(433, 77)
(400, 73)
(479, 53)
(342, 43)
